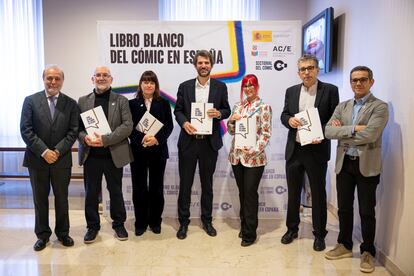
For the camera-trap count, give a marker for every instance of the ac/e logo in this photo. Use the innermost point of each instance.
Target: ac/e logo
(283, 49)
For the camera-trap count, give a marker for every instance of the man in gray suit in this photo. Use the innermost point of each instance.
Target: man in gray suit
(49, 127)
(358, 125)
(105, 154)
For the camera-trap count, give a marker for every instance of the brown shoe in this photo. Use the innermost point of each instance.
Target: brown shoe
(367, 262)
(338, 252)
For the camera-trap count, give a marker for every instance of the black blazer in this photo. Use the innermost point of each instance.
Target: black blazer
(161, 110)
(186, 95)
(40, 131)
(327, 98)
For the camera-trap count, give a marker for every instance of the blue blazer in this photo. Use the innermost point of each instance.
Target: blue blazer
(161, 110)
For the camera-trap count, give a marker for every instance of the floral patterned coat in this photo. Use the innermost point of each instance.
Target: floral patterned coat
(263, 114)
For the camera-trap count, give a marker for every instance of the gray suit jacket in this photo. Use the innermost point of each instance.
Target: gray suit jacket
(374, 114)
(120, 121)
(40, 131)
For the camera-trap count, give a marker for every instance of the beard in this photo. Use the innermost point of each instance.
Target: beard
(102, 87)
(203, 72)
(52, 90)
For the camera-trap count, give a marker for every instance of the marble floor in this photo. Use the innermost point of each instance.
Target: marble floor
(164, 254)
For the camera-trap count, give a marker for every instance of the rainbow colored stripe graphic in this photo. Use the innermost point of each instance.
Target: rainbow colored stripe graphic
(235, 74)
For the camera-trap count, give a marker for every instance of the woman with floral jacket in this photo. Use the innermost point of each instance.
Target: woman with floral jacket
(248, 163)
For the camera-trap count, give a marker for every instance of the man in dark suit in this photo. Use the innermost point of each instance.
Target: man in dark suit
(358, 125)
(193, 148)
(313, 158)
(49, 127)
(105, 154)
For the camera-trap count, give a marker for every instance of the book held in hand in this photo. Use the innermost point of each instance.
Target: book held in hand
(95, 121)
(149, 124)
(311, 128)
(199, 118)
(245, 133)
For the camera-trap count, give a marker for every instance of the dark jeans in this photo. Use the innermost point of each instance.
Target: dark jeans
(198, 151)
(41, 180)
(94, 169)
(248, 180)
(303, 161)
(148, 197)
(346, 181)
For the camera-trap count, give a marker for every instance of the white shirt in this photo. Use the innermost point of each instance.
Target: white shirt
(148, 103)
(307, 97)
(202, 91)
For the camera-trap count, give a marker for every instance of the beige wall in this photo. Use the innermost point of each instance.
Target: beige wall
(70, 33)
(379, 34)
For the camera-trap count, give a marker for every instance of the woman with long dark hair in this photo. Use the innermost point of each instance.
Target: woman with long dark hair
(150, 155)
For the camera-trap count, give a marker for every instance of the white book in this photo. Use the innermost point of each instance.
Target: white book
(311, 128)
(199, 118)
(149, 124)
(245, 133)
(95, 121)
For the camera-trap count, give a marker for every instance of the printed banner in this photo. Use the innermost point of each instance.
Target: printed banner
(269, 49)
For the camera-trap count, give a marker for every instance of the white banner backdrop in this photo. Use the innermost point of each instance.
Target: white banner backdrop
(269, 49)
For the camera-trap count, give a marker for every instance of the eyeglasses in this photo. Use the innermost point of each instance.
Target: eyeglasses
(360, 80)
(103, 75)
(309, 68)
(248, 86)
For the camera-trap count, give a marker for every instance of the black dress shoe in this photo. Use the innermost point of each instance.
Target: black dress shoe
(90, 236)
(121, 233)
(319, 244)
(208, 227)
(289, 236)
(156, 229)
(66, 240)
(40, 244)
(139, 231)
(182, 232)
(245, 243)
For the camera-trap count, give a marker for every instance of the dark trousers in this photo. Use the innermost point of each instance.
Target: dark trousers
(41, 180)
(248, 180)
(93, 169)
(148, 196)
(303, 161)
(198, 151)
(346, 181)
